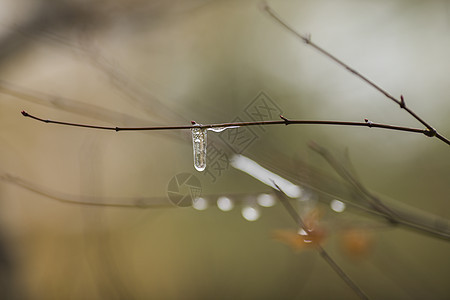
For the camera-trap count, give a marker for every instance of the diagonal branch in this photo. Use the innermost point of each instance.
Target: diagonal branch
(395, 216)
(431, 132)
(293, 213)
(374, 202)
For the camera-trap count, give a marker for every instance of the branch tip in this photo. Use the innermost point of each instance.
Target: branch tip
(24, 113)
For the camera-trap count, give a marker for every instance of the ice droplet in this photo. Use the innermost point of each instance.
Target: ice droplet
(217, 129)
(220, 129)
(199, 145)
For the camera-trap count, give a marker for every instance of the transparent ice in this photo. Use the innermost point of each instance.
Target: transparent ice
(220, 129)
(199, 137)
(199, 144)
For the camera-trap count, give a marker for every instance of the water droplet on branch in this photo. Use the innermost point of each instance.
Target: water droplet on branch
(199, 145)
(220, 129)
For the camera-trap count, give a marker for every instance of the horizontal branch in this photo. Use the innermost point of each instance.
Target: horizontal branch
(283, 121)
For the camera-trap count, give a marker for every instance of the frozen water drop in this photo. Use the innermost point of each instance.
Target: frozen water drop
(220, 129)
(199, 146)
(217, 129)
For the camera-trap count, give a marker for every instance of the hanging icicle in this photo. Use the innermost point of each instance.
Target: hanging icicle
(199, 145)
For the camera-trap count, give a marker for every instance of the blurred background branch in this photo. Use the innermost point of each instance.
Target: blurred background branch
(141, 63)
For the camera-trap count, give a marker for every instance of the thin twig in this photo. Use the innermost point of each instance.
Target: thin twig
(153, 202)
(355, 183)
(296, 217)
(329, 188)
(284, 121)
(121, 202)
(394, 216)
(76, 107)
(431, 132)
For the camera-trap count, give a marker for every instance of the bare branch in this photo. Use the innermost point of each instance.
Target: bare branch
(293, 213)
(395, 216)
(431, 132)
(118, 202)
(284, 121)
(355, 183)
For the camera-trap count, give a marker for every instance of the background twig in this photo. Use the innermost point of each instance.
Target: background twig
(394, 216)
(296, 217)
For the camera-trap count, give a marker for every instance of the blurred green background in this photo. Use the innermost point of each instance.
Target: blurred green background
(143, 63)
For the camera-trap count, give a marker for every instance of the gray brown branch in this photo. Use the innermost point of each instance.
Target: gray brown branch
(430, 132)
